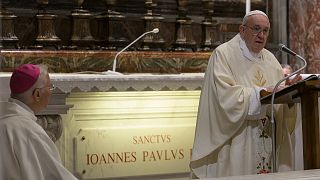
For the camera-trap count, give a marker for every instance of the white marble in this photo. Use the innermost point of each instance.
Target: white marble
(297, 175)
(72, 82)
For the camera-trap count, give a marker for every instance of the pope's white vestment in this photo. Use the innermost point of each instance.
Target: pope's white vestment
(233, 130)
(26, 151)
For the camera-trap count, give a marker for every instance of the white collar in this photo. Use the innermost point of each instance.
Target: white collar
(24, 106)
(247, 53)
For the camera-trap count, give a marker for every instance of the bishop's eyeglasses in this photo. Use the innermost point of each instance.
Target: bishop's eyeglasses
(51, 87)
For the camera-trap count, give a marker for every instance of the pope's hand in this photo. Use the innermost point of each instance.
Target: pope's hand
(268, 90)
(296, 78)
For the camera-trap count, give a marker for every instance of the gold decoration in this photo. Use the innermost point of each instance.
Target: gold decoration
(259, 79)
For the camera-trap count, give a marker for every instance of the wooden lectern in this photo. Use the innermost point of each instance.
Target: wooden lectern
(305, 92)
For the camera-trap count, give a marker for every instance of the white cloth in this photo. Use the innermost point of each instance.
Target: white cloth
(27, 152)
(228, 140)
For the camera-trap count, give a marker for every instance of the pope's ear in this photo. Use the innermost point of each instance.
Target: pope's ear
(241, 28)
(36, 94)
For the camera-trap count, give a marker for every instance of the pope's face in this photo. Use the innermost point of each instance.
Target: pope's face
(255, 32)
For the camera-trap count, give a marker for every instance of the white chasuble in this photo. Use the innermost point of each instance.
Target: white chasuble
(228, 140)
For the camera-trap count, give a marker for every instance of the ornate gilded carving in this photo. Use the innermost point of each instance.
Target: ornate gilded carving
(152, 20)
(46, 36)
(50, 119)
(52, 124)
(81, 32)
(8, 39)
(209, 27)
(110, 28)
(184, 40)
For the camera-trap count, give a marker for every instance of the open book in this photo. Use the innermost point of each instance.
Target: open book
(288, 94)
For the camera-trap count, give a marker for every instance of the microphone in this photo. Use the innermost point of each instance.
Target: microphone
(283, 48)
(113, 72)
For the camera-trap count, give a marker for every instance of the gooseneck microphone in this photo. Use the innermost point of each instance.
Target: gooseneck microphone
(113, 72)
(283, 48)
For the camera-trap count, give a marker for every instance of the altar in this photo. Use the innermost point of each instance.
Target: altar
(124, 126)
(127, 126)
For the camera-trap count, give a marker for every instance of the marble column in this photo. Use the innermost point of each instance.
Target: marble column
(304, 30)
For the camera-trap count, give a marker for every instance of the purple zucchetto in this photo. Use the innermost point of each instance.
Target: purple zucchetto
(23, 78)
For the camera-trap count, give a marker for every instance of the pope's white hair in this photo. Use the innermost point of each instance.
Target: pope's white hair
(254, 12)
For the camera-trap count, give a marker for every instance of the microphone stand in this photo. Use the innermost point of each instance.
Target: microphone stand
(113, 72)
(272, 109)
